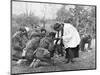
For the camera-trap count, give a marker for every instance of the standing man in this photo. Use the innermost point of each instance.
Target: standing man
(71, 40)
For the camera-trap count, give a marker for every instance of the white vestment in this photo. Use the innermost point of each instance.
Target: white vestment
(71, 37)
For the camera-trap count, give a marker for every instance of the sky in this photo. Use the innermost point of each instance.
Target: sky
(39, 9)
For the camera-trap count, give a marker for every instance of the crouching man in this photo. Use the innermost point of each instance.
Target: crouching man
(86, 39)
(31, 46)
(18, 43)
(43, 52)
(71, 40)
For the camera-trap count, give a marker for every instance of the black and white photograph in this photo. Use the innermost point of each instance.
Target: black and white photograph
(52, 37)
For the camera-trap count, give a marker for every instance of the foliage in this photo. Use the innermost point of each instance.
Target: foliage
(83, 19)
(27, 20)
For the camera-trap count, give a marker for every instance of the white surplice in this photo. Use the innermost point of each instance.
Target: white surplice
(71, 37)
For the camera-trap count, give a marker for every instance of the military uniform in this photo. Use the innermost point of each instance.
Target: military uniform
(18, 43)
(32, 45)
(45, 46)
(85, 39)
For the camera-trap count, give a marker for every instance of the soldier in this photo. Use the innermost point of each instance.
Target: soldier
(86, 39)
(18, 42)
(31, 46)
(43, 52)
(59, 46)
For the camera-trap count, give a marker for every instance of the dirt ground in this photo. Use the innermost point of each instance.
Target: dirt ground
(86, 60)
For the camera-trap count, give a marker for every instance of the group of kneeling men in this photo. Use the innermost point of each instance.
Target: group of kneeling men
(35, 46)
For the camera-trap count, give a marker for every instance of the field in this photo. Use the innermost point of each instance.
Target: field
(86, 60)
(82, 17)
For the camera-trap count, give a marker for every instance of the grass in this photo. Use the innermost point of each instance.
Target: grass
(86, 60)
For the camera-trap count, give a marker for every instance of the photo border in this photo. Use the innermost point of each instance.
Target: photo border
(52, 3)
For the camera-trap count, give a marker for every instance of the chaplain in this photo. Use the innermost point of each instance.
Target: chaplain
(71, 40)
